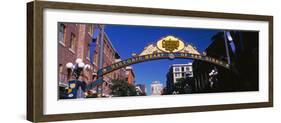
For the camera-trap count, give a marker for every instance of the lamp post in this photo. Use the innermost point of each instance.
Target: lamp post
(213, 77)
(76, 70)
(227, 36)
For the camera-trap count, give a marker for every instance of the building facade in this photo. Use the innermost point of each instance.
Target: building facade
(176, 72)
(141, 90)
(107, 56)
(91, 44)
(243, 57)
(156, 88)
(130, 76)
(73, 40)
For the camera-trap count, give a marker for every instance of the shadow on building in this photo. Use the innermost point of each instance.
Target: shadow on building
(243, 57)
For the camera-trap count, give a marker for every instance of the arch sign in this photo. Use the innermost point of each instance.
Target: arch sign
(168, 47)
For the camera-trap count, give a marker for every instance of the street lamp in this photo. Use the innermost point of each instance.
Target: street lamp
(213, 77)
(76, 70)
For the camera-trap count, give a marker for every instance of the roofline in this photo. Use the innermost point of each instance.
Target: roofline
(188, 64)
(110, 42)
(106, 36)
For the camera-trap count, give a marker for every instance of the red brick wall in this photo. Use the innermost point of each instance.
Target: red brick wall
(87, 40)
(83, 39)
(66, 55)
(130, 76)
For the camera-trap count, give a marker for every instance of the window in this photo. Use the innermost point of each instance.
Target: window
(95, 57)
(177, 69)
(90, 30)
(177, 75)
(60, 68)
(88, 52)
(72, 41)
(182, 68)
(61, 77)
(62, 31)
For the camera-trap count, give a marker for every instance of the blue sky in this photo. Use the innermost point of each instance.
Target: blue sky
(132, 39)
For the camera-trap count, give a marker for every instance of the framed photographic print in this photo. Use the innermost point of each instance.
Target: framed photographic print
(96, 61)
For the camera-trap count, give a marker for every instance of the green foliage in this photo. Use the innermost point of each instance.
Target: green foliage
(123, 88)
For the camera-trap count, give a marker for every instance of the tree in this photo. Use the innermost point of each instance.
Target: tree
(122, 88)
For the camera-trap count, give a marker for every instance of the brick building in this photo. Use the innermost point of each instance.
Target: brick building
(108, 56)
(91, 44)
(73, 40)
(130, 76)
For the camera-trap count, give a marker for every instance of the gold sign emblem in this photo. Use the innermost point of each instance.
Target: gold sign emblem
(170, 44)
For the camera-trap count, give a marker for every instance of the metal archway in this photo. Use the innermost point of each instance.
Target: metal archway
(155, 56)
(168, 47)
